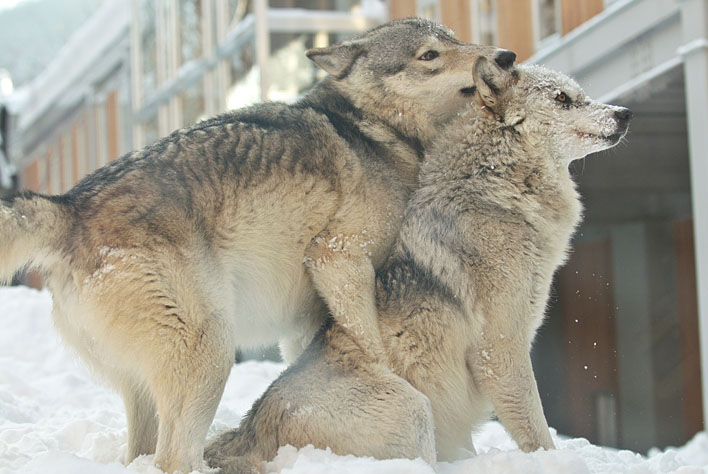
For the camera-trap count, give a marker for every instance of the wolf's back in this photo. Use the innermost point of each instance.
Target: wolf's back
(30, 227)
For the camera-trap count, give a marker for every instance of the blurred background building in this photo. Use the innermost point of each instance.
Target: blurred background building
(619, 360)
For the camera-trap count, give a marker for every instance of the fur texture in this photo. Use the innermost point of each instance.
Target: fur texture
(461, 296)
(166, 260)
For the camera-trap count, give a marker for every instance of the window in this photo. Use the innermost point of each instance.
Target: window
(546, 19)
(148, 47)
(484, 21)
(192, 104)
(190, 33)
(67, 163)
(244, 88)
(291, 73)
(429, 9)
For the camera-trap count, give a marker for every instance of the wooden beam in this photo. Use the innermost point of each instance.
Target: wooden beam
(30, 177)
(455, 14)
(576, 12)
(402, 9)
(112, 127)
(515, 28)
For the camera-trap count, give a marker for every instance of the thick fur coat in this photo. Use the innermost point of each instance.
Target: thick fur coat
(166, 260)
(461, 296)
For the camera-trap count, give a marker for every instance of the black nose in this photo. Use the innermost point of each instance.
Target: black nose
(505, 58)
(623, 115)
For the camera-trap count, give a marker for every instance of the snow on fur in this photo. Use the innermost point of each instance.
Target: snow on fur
(56, 418)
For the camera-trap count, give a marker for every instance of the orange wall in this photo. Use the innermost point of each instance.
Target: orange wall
(576, 12)
(402, 8)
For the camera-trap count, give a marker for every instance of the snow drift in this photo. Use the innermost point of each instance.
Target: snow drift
(56, 418)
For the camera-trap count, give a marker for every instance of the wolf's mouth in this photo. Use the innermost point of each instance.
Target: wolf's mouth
(614, 138)
(468, 91)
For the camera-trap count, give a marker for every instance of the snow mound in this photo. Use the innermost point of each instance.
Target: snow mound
(56, 418)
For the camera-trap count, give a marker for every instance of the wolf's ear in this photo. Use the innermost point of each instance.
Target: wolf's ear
(490, 84)
(338, 59)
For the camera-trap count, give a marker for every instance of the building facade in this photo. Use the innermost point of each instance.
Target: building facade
(619, 360)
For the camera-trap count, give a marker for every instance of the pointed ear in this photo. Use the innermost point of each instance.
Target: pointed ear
(338, 59)
(487, 90)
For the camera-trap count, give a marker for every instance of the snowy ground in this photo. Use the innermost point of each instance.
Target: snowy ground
(55, 419)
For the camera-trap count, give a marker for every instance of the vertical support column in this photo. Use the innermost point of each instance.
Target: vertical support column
(136, 75)
(209, 87)
(174, 61)
(694, 23)
(223, 69)
(260, 9)
(161, 67)
(634, 358)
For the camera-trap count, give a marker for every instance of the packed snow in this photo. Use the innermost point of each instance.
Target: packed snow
(56, 418)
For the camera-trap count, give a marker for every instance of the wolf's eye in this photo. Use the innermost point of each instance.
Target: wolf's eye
(563, 98)
(429, 55)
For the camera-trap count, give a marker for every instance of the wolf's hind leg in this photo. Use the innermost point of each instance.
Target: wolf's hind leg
(188, 373)
(142, 421)
(344, 276)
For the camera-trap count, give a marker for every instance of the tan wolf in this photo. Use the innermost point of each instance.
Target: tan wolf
(164, 261)
(459, 299)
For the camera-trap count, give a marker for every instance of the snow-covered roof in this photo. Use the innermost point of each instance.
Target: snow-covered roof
(73, 63)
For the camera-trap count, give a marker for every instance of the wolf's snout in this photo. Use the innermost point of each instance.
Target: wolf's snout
(505, 58)
(623, 116)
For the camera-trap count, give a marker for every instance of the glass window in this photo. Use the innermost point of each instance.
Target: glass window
(245, 88)
(237, 10)
(101, 150)
(547, 18)
(190, 26)
(67, 163)
(192, 102)
(429, 9)
(291, 73)
(484, 21)
(54, 169)
(42, 174)
(151, 130)
(340, 5)
(82, 148)
(148, 46)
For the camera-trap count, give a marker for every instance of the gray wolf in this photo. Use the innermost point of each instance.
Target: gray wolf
(166, 260)
(461, 296)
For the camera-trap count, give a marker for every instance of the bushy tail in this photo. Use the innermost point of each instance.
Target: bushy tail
(30, 227)
(234, 453)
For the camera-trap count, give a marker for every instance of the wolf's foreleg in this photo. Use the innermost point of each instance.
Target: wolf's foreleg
(502, 368)
(344, 276)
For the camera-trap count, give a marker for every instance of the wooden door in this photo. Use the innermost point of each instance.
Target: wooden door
(587, 308)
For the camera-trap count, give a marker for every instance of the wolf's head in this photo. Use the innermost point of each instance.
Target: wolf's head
(551, 112)
(411, 72)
